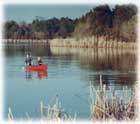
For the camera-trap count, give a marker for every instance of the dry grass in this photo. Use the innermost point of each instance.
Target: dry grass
(91, 42)
(114, 108)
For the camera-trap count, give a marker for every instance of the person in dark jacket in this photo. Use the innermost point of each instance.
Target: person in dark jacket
(28, 59)
(39, 60)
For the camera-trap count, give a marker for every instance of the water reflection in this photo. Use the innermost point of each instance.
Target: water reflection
(40, 74)
(116, 66)
(28, 74)
(101, 59)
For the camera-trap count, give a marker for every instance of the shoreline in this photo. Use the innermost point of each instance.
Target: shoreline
(86, 42)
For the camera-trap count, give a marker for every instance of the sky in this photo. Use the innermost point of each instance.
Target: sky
(27, 13)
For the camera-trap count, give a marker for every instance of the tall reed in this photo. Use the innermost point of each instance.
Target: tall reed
(114, 108)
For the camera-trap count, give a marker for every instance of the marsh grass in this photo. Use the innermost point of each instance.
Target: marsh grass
(114, 108)
(91, 42)
(53, 111)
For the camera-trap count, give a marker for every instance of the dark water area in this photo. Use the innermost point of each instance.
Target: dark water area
(69, 72)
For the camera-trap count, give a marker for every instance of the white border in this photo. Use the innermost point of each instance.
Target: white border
(3, 2)
(70, 1)
(138, 59)
(1, 63)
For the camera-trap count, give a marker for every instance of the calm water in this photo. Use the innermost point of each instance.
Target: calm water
(69, 73)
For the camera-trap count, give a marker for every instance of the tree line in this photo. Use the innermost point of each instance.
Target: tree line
(111, 23)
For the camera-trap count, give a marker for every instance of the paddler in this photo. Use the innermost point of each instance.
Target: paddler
(39, 60)
(28, 59)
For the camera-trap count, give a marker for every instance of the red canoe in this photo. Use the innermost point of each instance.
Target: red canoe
(42, 67)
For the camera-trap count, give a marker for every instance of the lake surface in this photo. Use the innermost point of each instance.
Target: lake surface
(69, 72)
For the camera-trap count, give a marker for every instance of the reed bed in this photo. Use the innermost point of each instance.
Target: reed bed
(91, 42)
(24, 41)
(84, 42)
(104, 108)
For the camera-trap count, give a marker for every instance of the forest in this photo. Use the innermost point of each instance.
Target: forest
(118, 23)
